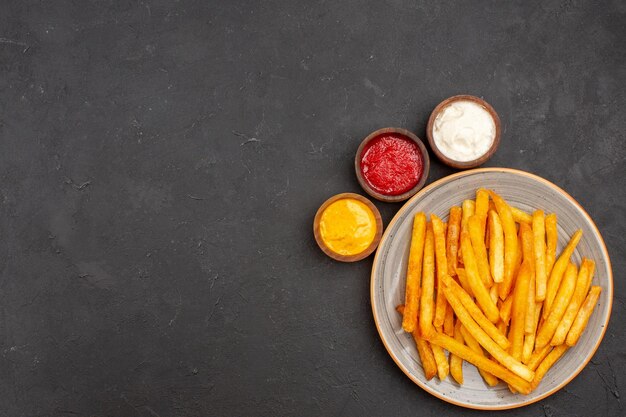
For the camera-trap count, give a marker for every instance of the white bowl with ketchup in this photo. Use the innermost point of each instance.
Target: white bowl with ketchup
(392, 164)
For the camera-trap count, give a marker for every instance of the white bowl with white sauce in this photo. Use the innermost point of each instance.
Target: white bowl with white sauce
(463, 131)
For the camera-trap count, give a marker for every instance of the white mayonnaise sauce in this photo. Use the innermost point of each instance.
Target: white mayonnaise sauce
(464, 130)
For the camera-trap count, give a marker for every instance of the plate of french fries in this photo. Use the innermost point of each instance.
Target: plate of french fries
(491, 288)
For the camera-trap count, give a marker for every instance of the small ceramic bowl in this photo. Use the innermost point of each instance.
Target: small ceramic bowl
(347, 258)
(384, 197)
(463, 164)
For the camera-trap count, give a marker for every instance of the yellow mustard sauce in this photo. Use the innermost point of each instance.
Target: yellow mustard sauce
(347, 226)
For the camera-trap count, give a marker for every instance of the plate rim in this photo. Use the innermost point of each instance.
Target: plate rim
(450, 178)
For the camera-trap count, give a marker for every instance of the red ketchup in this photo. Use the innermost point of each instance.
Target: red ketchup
(391, 164)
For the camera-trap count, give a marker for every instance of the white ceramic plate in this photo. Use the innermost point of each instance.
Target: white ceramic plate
(527, 192)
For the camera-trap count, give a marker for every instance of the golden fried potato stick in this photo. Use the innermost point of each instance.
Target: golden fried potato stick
(468, 207)
(442, 268)
(551, 242)
(521, 216)
(557, 272)
(448, 321)
(519, 256)
(414, 273)
(456, 363)
(529, 256)
(496, 247)
(476, 313)
(452, 238)
(518, 311)
(487, 233)
(481, 210)
(485, 341)
(582, 318)
(489, 379)
(529, 338)
(493, 293)
(529, 327)
(426, 355)
(481, 362)
(561, 301)
(475, 282)
(538, 356)
(427, 309)
(539, 250)
(502, 327)
(443, 368)
(510, 243)
(527, 349)
(574, 305)
(554, 355)
(424, 351)
(592, 269)
(528, 253)
(505, 309)
(462, 276)
(476, 232)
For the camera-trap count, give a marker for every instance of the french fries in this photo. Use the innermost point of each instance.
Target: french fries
(481, 210)
(448, 322)
(529, 326)
(456, 363)
(485, 341)
(490, 379)
(583, 316)
(462, 276)
(528, 250)
(424, 350)
(475, 282)
(505, 310)
(518, 312)
(476, 227)
(592, 269)
(539, 249)
(584, 276)
(554, 355)
(452, 239)
(551, 241)
(468, 207)
(493, 293)
(496, 247)
(563, 297)
(557, 272)
(443, 368)
(476, 313)
(414, 273)
(481, 362)
(521, 216)
(427, 309)
(526, 235)
(510, 243)
(442, 268)
(529, 338)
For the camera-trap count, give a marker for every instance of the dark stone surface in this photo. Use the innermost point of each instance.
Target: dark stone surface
(161, 162)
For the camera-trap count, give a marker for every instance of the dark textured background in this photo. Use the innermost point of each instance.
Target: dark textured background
(161, 163)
